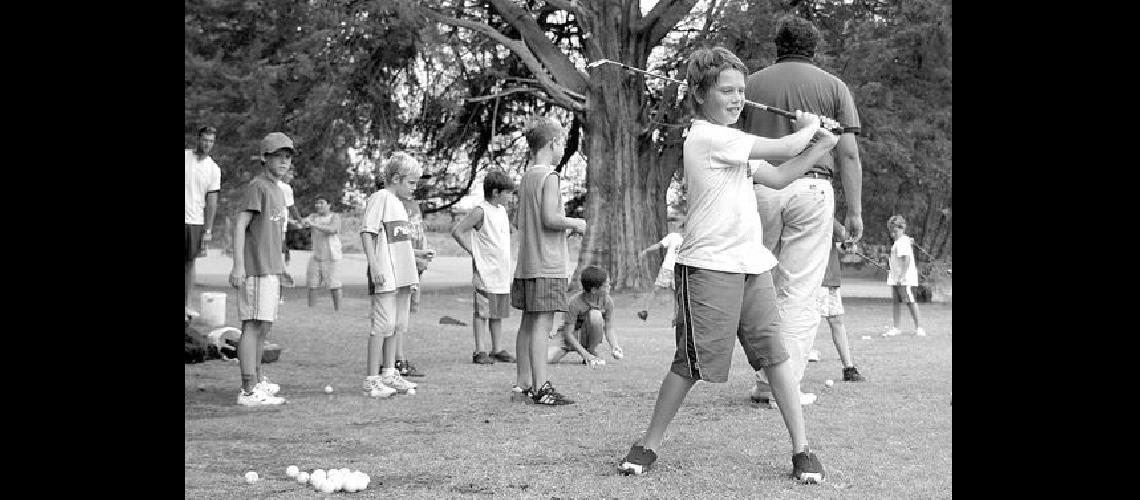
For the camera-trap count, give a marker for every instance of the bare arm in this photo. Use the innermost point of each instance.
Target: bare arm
(648, 249)
(851, 174)
(552, 216)
(369, 241)
(211, 211)
(778, 178)
(460, 231)
(333, 226)
(237, 274)
(611, 339)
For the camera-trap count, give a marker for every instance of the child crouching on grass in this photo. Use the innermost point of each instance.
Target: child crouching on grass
(723, 273)
(589, 317)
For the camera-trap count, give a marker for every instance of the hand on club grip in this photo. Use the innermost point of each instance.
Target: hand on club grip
(805, 120)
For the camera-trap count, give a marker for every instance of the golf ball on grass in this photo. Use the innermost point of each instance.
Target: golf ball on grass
(829, 382)
(328, 389)
(866, 337)
(292, 471)
(251, 477)
(302, 477)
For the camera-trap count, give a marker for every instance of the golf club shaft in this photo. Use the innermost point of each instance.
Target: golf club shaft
(765, 107)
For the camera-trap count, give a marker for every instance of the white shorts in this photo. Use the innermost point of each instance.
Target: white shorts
(664, 278)
(258, 298)
(390, 312)
(323, 273)
(829, 301)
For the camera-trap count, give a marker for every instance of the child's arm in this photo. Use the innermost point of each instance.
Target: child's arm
(474, 220)
(778, 178)
(552, 216)
(611, 339)
(572, 339)
(332, 227)
(650, 248)
(369, 241)
(789, 145)
(237, 274)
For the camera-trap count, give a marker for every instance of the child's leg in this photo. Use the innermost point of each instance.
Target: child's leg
(914, 314)
(189, 279)
(539, 326)
(383, 326)
(669, 398)
(839, 338)
(312, 297)
(787, 393)
(896, 308)
(247, 353)
(396, 342)
(262, 337)
(336, 295)
(332, 275)
(477, 327)
(496, 327)
(595, 330)
(522, 348)
(555, 353)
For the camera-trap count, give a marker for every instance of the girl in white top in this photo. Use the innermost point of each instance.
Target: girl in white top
(490, 249)
(670, 243)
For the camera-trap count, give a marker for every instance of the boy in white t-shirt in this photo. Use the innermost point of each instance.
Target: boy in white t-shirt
(670, 243)
(386, 237)
(490, 249)
(903, 275)
(723, 273)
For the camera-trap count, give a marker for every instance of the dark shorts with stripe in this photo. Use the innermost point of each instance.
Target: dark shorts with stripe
(193, 241)
(714, 309)
(539, 294)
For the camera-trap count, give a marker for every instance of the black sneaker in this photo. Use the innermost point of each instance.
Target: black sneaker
(643, 314)
(503, 356)
(482, 358)
(851, 374)
(407, 369)
(806, 467)
(637, 461)
(546, 395)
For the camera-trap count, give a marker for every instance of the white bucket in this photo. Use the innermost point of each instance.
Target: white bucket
(213, 308)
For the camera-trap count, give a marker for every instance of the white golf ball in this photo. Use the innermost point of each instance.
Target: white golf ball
(251, 477)
(302, 477)
(317, 475)
(328, 389)
(292, 471)
(327, 487)
(411, 392)
(829, 382)
(866, 337)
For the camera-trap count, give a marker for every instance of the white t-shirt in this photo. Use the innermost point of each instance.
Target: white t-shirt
(201, 177)
(671, 242)
(287, 190)
(723, 231)
(491, 250)
(902, 247)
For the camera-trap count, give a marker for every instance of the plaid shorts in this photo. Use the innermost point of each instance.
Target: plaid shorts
(829, 301)
(539, 294)
(258, 298)
(491, 305)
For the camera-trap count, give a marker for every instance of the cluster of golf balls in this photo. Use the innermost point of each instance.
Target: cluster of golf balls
(328, 482)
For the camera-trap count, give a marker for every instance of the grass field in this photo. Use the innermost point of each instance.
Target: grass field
(890, 437)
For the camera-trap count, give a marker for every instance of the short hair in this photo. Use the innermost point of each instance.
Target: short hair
(896, 221)
(796, 36)
(705, 66)
(320, 198)
(496, 179)
(540, 131)
(207, 130)
(401, 165)
(593, 277)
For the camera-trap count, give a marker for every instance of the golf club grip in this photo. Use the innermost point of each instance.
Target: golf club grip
(786, 114)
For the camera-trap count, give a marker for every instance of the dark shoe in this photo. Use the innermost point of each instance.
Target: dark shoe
(407, 369)
(503, 356)
(637, 461)
(806, 467)
(481, 358)
(546, 395)
(643, 314)
(851, 374)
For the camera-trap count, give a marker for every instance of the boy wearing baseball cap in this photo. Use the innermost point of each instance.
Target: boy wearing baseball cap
(258, 265)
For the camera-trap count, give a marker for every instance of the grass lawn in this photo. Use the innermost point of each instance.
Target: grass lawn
(460, 436)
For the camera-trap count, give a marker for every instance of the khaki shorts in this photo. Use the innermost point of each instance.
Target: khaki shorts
(829, 301)
(390, 312)
(491, 305)
(323, 273)
(258, 298)
(712, 308)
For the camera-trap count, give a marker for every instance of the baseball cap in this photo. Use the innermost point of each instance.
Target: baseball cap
(275, 141)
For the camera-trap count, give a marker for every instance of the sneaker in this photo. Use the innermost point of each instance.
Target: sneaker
(397, 382)
(594, 361)
(268, 387)
(375, 388)
(638, 461)
(258, 397)
(806, 467)
(921, 332)
(806, 398)
(518, 394)
(813, 355)
(760, 397)
(891, 332)
(407, 369)
(851, 374)
(643, 314)
(546, 395)
(503, 356)
(617, 353)
(482, 358)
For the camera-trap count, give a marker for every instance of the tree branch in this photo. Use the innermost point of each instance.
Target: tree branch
(501, 94)
(664, 16)
(562, 96)
(571, 6)
(564, 71)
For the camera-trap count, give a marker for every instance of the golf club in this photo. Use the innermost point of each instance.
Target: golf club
(765, 107)
(853, 249)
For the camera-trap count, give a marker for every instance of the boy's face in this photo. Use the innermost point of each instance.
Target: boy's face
(897, 231)
(278, 163)
(558, 146)
(725, 99)
(502, 197)
(604, 288)
(404, 186)
(205, 144)
(322, 207)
